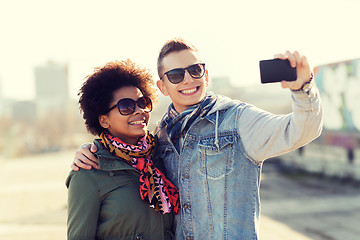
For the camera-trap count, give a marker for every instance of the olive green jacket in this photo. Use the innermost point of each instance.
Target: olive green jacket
(106, 203)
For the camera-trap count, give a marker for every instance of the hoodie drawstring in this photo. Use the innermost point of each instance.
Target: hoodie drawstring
(216, 131)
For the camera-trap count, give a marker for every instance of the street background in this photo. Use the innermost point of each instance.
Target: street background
(295, 206)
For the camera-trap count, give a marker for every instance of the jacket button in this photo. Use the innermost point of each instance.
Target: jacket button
(139, 237)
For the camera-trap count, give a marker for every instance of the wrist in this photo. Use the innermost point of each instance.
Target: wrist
(306, 85)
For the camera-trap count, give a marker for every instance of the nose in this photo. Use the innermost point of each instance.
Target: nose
(187, 78)
(138, 110)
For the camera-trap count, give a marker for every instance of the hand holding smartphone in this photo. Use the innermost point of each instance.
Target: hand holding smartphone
(276, 70)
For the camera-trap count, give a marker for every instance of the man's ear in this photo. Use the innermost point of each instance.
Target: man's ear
(207, 79)
(161, 85)
(103, 120)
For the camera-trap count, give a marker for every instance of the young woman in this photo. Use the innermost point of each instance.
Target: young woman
(128, 197)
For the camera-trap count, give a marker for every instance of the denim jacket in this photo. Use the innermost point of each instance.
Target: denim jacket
(219, 165)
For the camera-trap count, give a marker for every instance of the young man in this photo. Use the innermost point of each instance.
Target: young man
(214, 147)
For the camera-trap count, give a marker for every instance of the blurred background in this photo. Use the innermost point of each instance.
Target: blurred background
(47, 48)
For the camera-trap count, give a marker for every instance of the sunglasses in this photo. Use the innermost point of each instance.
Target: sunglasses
(127, 106)
(176, 75)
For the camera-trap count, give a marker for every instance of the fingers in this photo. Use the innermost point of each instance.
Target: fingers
(74, 167)
(85, 146)
(297, 58)
(280, 56)
(86, 153)
(84, 157)
(80, 164)
(93, 148)
(86, 160)
(302, 69)
(294, 58)
(304, 62)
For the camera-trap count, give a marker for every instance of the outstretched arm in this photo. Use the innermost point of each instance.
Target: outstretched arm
(267, 135)
(84, 157)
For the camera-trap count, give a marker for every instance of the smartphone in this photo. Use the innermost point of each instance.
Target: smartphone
(276, 70)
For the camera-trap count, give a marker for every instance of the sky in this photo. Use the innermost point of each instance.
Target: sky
(232, 35)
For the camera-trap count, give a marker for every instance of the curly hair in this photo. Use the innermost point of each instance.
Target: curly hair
(96, 93)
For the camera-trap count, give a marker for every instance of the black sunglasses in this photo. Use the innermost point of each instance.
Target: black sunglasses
(127, 106)
(176, 75)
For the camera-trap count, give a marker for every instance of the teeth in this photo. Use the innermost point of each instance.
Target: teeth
(137, 122)
(187, 91)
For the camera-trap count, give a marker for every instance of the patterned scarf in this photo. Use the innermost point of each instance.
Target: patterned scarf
(155, 189)
(178, 124)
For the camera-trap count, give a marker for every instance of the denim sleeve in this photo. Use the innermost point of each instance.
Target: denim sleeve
(83, 206)
(266, 135)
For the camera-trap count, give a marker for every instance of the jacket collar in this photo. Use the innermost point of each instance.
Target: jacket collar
(108, 162)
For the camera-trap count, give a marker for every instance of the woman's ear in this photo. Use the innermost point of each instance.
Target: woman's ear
(103, 120)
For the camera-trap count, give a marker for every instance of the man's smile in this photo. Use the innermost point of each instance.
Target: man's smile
(189, 91)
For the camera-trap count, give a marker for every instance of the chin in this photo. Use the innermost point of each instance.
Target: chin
(194, 101)
(143, 132)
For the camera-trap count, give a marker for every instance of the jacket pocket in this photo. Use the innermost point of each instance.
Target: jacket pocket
(166, 153)
(217, 157)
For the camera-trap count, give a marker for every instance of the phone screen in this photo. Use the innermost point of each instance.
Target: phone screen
(276, 70)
